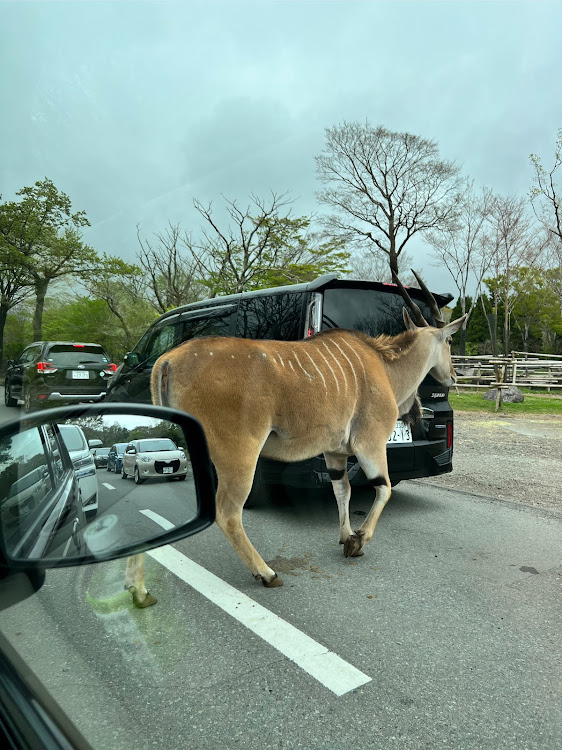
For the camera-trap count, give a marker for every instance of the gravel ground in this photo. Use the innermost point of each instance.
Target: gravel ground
(508, 457)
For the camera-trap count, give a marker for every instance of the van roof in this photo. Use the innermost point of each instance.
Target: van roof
(326, 281)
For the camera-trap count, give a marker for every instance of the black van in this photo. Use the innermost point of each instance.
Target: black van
(294, 312)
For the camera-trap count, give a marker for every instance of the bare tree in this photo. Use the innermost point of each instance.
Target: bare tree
(371, 267)
(385, 187)
(462, 248)
(171, 269)
(546, 199)
(513, 241)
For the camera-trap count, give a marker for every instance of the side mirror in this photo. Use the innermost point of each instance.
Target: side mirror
(10, 363)
(43, 522)
(131, 359)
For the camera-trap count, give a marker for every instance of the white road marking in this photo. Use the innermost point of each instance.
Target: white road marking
(325, 666)
(109, 486)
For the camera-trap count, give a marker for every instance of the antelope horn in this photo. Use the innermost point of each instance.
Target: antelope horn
(433, 306)
(419, 319)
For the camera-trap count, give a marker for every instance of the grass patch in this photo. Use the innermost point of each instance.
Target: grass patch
(533, 404)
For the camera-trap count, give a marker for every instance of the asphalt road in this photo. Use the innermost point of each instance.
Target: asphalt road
(452, 617)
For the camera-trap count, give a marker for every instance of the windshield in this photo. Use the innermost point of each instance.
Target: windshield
(150, 446)
(73, 438)
(221, 190)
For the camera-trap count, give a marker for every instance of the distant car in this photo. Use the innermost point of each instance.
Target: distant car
(100, 457)
(84, 466)
(115, 457)
(156, 458)
(51, 373)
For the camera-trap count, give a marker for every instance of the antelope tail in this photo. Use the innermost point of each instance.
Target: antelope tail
(160, 395)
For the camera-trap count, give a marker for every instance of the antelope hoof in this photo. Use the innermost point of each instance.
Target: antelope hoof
(352, 546)
(148, 600)
(273, 583)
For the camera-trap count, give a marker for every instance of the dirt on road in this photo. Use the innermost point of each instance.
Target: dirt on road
(509, 457)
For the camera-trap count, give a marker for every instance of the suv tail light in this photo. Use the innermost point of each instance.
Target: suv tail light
(110, 369)
(449, 435)
(45, 368)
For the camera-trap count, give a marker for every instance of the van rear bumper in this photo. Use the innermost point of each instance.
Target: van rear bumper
(430, 458)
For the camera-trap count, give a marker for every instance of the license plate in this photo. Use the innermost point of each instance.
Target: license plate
(80, 375)
(401, 434)
(168, 470)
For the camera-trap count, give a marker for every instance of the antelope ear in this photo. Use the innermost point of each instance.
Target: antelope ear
(408, 322)
(453, 327)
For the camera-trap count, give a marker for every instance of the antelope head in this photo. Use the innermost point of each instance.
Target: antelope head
(440, 352)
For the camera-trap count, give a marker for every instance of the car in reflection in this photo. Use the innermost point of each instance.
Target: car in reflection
(154, 458)
(84, 466)
(41, 512)
(100, 457)
(115, 457)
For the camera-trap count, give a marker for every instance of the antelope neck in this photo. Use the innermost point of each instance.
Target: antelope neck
(406, 372)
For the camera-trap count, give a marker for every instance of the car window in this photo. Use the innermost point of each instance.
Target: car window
(69, 355)
(366, 310)
(73, 438)
(162, 340)
(272, 316)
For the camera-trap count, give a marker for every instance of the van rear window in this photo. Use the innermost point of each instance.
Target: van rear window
(368, 310)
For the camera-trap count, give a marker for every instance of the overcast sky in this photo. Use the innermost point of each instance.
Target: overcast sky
(135, 108)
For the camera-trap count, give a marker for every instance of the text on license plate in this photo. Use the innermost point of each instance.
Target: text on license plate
(80, 374)
(167, 469)
(401, 434)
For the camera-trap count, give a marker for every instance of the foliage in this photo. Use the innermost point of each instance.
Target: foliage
(533, 403)
(262, 246)
(41, 237)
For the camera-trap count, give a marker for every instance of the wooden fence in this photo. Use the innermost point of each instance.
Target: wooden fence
(523, 369)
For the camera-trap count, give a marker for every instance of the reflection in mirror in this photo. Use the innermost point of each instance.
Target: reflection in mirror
(58, 501)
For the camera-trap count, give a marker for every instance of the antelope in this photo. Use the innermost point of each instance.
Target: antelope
(338, 393)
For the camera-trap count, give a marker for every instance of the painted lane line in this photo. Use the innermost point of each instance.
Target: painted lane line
(109, 486)
(325, 666)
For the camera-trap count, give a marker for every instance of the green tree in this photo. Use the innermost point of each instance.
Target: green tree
(44, 240)
(121, 286)
(262, 246)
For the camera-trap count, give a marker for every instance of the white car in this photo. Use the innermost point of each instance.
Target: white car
(84, 467)
(154, 458)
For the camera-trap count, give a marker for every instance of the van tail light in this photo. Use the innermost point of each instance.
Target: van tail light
(450, 435)
(45, 368)
(110, 369)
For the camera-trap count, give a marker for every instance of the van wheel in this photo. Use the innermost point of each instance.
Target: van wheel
(262, 494)
(138, 478)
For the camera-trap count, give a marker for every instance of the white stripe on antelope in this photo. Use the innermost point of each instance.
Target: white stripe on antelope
(251, 404)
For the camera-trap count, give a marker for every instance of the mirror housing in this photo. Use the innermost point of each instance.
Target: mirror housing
(10, 363)
(102, 538)
(131, 359)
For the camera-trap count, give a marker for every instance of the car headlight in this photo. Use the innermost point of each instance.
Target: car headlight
(146, 459)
